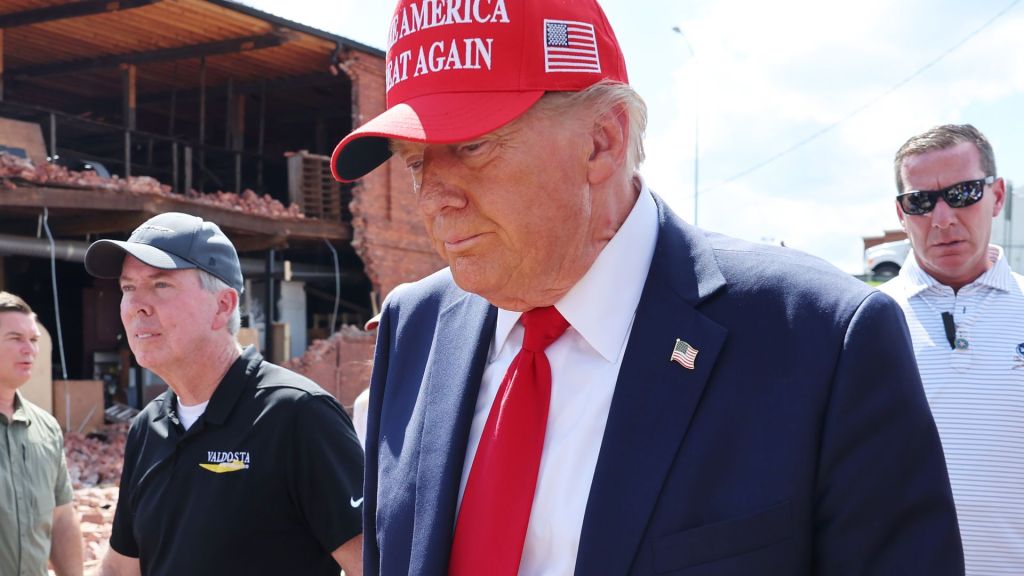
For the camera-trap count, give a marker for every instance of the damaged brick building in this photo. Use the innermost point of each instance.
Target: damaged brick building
(112, 111)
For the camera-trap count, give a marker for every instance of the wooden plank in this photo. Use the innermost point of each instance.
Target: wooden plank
(95, 199)
(188, 169)
(69, 10)
(99, 223)
(231, 46)
(1, 64)
(259, 243)
(129, 73)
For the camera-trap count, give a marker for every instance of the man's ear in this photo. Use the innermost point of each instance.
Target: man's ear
(227, 301)
(610, 141)
(999, 191)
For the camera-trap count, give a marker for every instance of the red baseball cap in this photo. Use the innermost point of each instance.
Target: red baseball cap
(458, 70)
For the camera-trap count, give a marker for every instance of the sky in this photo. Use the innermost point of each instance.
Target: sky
(795, 107)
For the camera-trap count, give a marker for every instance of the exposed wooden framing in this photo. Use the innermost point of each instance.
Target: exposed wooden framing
(234, 45)
(229, 116)
(259, 243)
(238, 173)
(255, 87)
(261, 137)
(127, 154)
(53, 135)
(173, 114)
(188, 170)
(81, 224)
(1, 64)
(238, 123)
(69, 10)
(202, 123)
(174, 167)
(129, 75)
(115, 201)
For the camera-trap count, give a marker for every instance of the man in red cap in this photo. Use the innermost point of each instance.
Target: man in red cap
(594, 386)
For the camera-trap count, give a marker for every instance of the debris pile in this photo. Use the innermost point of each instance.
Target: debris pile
(15, 171)
(94, 464)
(95, 459)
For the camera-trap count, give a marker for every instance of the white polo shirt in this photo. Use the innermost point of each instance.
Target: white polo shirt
(585, 364)
(976, 393)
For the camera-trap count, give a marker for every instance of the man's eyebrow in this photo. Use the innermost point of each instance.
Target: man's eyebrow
(154, 276)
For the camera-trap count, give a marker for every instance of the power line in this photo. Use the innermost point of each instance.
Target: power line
(862, 108)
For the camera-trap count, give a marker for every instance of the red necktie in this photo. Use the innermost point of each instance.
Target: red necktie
(495, 511)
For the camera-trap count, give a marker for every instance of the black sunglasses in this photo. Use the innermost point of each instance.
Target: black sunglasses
(959, 195)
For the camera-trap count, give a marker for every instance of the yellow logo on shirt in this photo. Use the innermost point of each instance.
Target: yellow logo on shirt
(221, 462)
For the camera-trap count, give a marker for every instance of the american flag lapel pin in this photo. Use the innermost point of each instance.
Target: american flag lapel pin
(684, 354)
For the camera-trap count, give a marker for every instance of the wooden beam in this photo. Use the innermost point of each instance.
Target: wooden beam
(1, 64)
(232, 46)
(229, 116)
(69, 10)
(96, 199)
(129, 74)
(202, 125)
(186, 99)
(259, 243)
(104, 223)
(261, 137)
(238, 123)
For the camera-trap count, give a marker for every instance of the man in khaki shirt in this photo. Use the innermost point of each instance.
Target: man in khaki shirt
(37, 519)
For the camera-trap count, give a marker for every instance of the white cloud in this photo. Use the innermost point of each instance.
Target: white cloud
(772, 74)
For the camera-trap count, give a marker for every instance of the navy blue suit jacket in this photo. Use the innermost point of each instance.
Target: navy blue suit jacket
(801, 443)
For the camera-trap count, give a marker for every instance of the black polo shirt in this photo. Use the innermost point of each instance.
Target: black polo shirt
(267, 481)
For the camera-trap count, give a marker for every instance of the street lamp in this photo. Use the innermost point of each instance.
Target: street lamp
(696, 121)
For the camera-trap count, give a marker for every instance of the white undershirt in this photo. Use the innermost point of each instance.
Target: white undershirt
(585, 364)
(189, 414)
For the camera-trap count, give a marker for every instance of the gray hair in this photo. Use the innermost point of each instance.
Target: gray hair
(214, 285)
(942, 138)
(604, 96)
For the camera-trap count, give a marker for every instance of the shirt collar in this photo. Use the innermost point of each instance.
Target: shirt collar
(998, 277)
(600, 306)
(228, 391)
(20, 413)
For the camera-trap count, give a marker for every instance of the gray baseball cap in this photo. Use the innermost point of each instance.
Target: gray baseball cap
(170, 241)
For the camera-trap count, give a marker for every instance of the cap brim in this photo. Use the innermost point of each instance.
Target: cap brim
(104, 258)
(434, 119)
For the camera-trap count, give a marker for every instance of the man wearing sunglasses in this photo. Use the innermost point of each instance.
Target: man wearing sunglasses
(965, 310)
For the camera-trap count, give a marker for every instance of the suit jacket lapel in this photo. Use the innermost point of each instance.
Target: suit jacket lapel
(451, 384)
(654, 398)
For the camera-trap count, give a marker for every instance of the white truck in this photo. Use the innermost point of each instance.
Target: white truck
(883, 261)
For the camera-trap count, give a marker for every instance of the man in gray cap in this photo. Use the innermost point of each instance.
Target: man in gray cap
(242, 467)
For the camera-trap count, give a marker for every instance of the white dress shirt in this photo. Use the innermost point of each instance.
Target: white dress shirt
(585, 364)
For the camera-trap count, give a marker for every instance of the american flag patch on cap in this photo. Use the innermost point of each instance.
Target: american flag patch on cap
(570, 47)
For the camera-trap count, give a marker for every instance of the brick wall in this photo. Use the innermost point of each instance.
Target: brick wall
(341, 364)
(388, 233)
